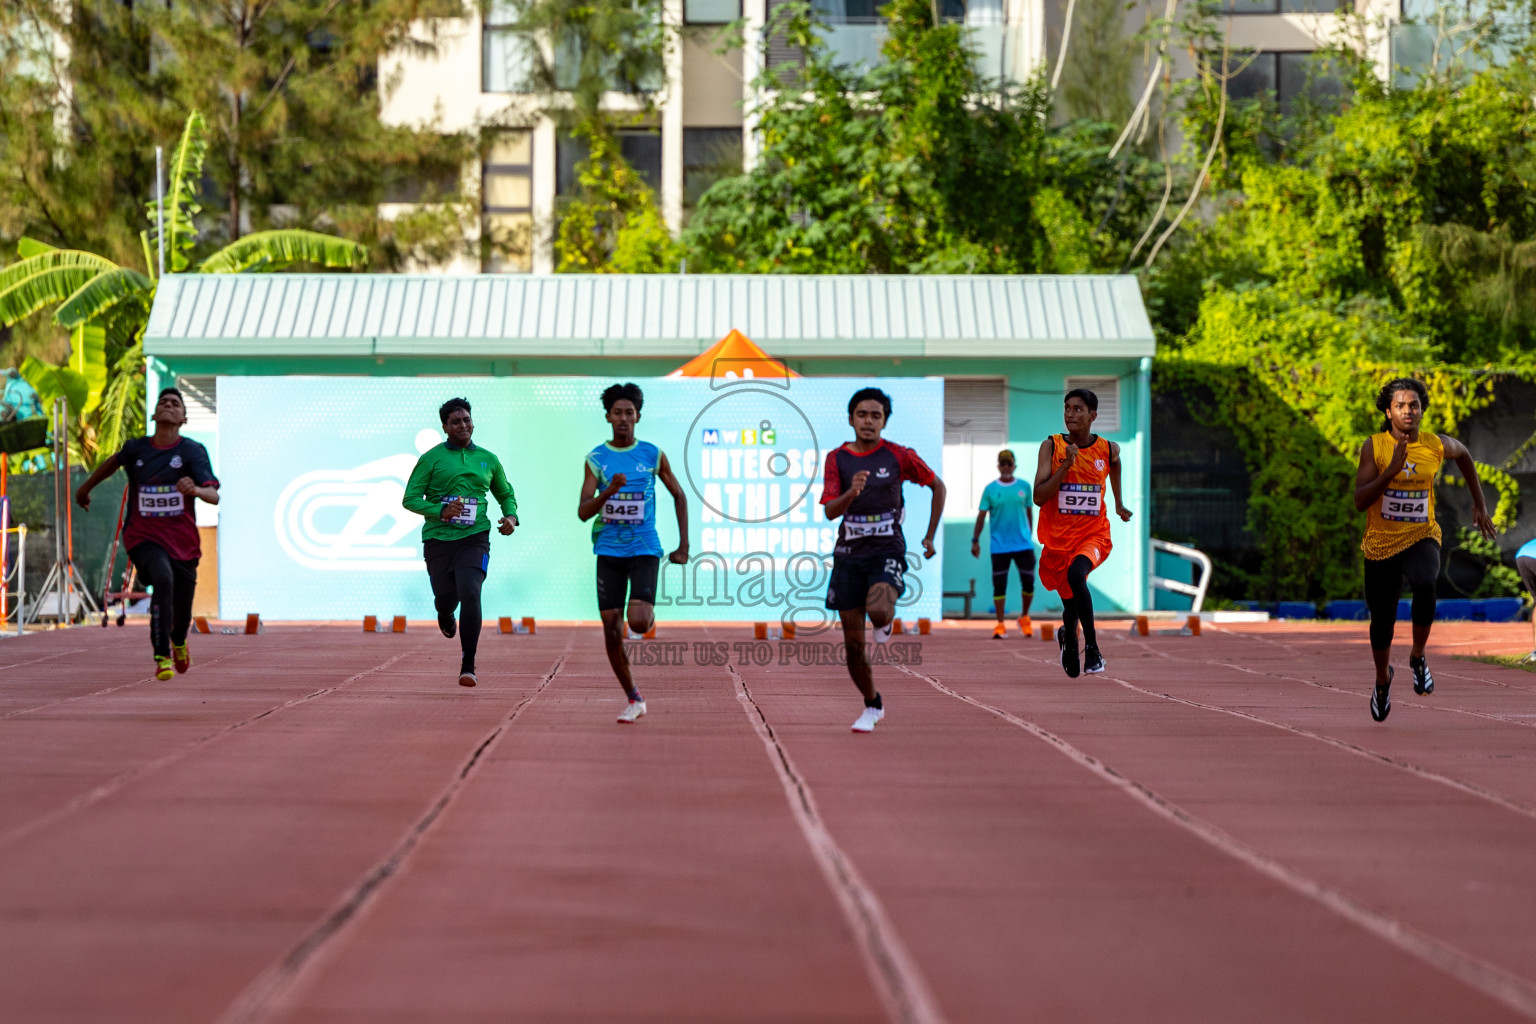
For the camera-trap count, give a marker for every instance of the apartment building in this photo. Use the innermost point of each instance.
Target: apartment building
(701, 128)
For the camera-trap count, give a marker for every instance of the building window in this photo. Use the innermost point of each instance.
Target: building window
(503, 58)
(506, 200)
(709, 154)
(1107, 390)
(711, 12)
(1287, 6)
(640, 148)
(1286, 76)
(975, 411)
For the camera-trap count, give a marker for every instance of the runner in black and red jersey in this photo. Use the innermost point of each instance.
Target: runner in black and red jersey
(863, 487)
(166, 472)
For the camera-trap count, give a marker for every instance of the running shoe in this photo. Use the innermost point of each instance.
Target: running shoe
(883, 636)
(867, 720)
(633, 713)
(1025, 626)
(1423, 679)
(1093, 661)
(163, 668)
(999, 631)
(1068, 653)
(1529, 659)
(1381, 698)
(467, 679)
(448, 626)
(181, 657)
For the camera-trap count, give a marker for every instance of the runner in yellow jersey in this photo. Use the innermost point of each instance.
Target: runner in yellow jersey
(1395, 487)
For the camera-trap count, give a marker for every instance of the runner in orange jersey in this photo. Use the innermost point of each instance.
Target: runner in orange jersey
(1074, 524)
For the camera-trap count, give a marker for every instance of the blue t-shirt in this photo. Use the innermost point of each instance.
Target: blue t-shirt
(626, 524)
(1008, 505)
(1527, 550)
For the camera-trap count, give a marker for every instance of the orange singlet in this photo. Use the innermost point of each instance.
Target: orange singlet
(1076, 521)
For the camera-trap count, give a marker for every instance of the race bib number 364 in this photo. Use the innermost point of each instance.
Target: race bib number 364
(1080, 499)
(160, 500)
(1405, 506)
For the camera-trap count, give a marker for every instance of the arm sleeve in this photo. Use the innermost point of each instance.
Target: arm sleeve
(501, 487)
(416, 489)
(985, 505)
(831, 481)
(201, 470)
(913, 467)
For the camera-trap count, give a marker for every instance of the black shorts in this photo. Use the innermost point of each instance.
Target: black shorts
(1025, 560)
(444, 556)
(853, 575)
(1527, 569)
(634, 573)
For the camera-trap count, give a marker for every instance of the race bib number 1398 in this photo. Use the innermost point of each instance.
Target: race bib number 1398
(160, 500)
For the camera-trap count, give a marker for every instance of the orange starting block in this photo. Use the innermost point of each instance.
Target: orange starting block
(370, 623)
(1142, 626)
(528, 623)
(253, 624)
(1047, 632)
(787, 630)
(504, 624)
(760, 631)
(1193, 625)
(399, 624)
(924, 627)
(200, 623)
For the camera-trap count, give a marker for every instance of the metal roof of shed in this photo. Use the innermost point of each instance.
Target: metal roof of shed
(647, 315)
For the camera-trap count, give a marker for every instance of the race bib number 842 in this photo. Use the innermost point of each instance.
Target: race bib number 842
(625, 508)
(1080, 499)
(160, 500)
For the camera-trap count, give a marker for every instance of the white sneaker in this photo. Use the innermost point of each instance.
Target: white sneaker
(867, 720)
(632, 713)
(882, 636)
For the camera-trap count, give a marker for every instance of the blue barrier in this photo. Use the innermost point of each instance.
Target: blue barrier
(1296, 610)
(1353, 611)
(1454, 609)
(1404, 611)
(1502, 609)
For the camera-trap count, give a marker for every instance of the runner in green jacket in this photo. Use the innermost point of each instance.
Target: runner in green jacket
(448, 488)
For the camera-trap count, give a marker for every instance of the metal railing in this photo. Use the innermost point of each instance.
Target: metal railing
(17, 574)
(1191, 590)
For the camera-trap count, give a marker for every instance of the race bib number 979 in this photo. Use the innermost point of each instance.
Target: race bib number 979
(1080, 499)
(161, 500)
(1405, 506)
(628, 509)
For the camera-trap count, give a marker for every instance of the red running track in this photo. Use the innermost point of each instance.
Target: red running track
(318, 825)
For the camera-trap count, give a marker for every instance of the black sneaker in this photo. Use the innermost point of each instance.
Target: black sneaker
(1093, 661)
(1381, 698)
(1423, 680)
(447, 625)
(1068, 653)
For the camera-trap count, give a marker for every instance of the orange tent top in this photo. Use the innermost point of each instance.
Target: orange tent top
(733, 356)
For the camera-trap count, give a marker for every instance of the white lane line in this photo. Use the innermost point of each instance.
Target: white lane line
(1510, 989)
(891, 968)
(274, 987)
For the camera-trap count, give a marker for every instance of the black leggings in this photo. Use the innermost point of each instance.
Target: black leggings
(172, 585)
(1079, 607)
(460, 588)
(1025, 560)
(1419, 567)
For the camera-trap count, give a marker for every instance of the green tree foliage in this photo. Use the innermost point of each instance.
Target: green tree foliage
(917, 164)
(1391, 237)
(292, 96)
(105, 307)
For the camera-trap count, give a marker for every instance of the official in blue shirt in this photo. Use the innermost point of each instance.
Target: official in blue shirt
(1010, 500)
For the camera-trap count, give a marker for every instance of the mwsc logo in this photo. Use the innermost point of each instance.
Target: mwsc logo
(764, 435)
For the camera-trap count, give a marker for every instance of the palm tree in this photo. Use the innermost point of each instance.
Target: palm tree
(105, 306)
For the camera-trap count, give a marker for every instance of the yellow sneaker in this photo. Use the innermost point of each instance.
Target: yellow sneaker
(181, 657)
(1025, 626)
(164, 669)
(999, 631)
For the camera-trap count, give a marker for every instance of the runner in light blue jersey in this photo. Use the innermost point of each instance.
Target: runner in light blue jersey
(619, 490)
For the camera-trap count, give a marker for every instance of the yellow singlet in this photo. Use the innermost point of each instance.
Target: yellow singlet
(1405, 512)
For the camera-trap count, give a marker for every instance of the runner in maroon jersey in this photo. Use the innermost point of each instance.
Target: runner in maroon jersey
(166, 472)
(863, 487)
